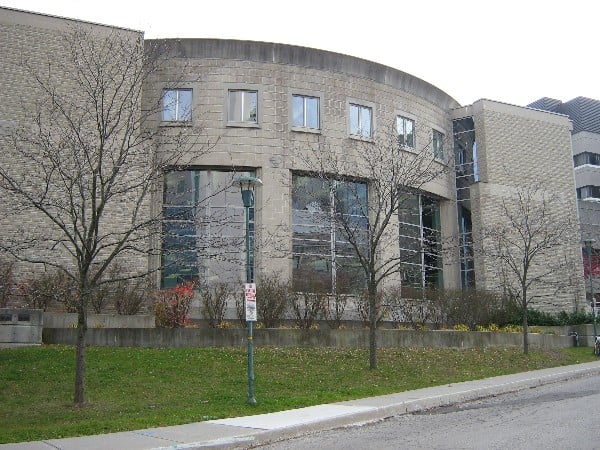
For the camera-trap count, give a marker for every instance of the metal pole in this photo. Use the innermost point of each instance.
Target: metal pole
(588, 246)
(251, 399)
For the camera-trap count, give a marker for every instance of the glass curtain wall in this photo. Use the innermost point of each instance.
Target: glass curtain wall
(329, 220)
(203, 227)
(420, 242)
(467, 173)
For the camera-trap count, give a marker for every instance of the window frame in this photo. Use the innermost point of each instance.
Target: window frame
(191, 236)
(305, 95)
(246, 88)
(178, 91)
(420, 245)
(322, 243)
(590, 159)
(438, 150)
(362, 105)
(406, 118)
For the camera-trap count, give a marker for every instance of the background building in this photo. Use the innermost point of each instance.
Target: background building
(585, 117)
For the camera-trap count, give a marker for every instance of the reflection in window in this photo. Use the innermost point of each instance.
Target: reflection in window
(361, 121)
(203, 227)
(406, 132)
(420, 242)
(177, 105)
(305, 112)
(243, 106)
(327, 217)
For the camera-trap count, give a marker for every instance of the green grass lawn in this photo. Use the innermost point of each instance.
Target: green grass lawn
(137, 388)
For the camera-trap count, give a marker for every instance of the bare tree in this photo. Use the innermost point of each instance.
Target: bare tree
(529, 244)
(80, 172)
(392, 170)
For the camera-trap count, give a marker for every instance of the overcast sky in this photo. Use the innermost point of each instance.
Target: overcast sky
(514, 51)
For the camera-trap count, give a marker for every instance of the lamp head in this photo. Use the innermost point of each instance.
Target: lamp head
(247, 185)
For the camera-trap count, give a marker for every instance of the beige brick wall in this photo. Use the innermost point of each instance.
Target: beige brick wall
(29, 44)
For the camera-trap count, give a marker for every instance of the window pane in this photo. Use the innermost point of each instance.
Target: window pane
(354, 119)
(401, 131)
(410, 137)
(438, 144)
(312, 112)
(297, 111)
(250, 106)
(169, 105)
(235, 106)
(185, 105)
(365, 119)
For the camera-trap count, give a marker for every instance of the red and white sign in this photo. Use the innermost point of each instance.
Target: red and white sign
(250, 297)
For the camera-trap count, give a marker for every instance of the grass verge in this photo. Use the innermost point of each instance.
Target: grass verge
(138, 388)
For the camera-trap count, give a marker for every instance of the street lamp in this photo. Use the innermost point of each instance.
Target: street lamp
(588, 248)
(247, 185)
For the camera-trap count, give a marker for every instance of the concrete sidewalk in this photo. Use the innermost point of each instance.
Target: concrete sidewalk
(244, 432)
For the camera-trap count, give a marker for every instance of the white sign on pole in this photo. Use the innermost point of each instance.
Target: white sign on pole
(250, 297)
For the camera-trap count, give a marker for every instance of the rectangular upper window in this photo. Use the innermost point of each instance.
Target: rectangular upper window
(437, 142)
(177, 105)
(588, 192)
(592, 159)
(242, 106)
(406, 131)
(361, 120)
(305, 112)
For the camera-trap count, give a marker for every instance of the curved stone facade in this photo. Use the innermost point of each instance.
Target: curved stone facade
(273, 146)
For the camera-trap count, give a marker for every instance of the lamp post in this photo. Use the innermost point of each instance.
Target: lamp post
(247, 185)
(588, 248)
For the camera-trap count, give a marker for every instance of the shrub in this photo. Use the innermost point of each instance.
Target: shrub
(172, 306)
(240, 308)
(307, 307)
(333, 310)
(272, 299)
(49, 288)
(540, 318)
(213, 301)
(99, 297)
(6, 282)
(129, 296)
(409, 305)
(363, 307)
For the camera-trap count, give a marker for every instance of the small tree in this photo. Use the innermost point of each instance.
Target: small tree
(528, 244)
(84, 163)
(213, 303)
(394, 169)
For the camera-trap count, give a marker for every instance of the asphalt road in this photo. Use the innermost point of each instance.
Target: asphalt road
(556, 416)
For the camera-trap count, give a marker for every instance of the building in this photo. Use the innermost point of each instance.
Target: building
(267, 109)
(585, 116)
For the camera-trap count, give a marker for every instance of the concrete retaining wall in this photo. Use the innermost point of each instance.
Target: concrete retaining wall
(199, 337)
(20, 327)
(69, 320)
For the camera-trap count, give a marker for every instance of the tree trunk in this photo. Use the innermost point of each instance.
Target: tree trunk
(80, 355)
(372, 327)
